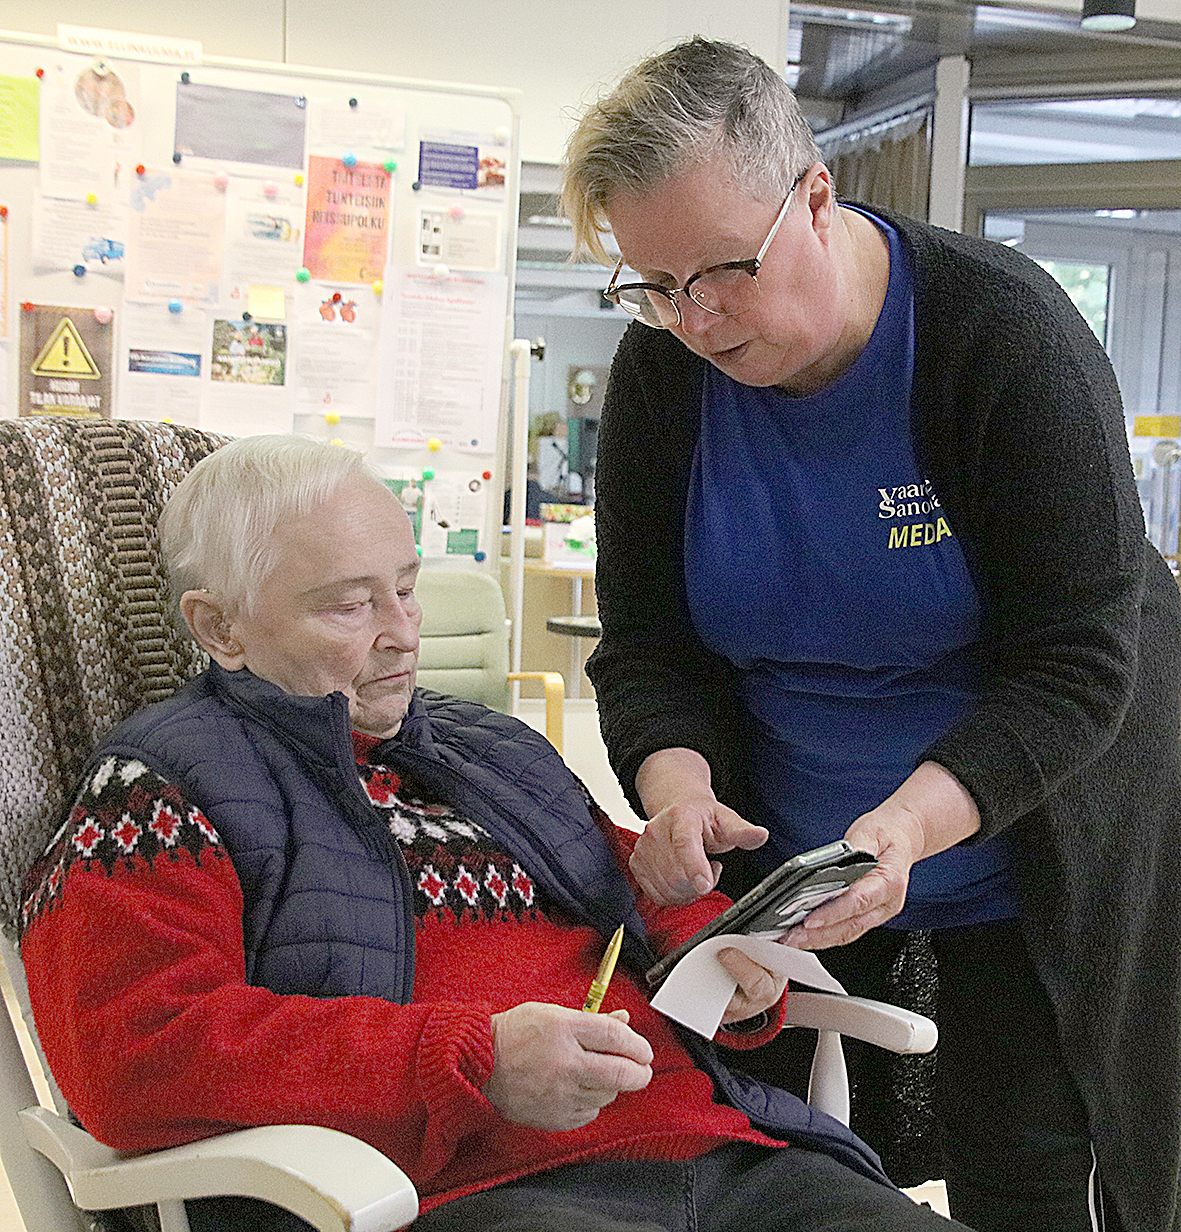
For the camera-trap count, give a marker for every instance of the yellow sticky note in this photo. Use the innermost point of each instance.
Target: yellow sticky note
(19, 119)
(266, 302)
(1156, 425)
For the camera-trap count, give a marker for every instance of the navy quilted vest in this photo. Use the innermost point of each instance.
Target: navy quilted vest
(328, 902)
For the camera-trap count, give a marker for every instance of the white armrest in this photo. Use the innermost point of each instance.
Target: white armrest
(335, 1182)
(887, 1026)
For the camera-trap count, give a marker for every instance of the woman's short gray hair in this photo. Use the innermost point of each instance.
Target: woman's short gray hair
(674, 111)
(217, 528)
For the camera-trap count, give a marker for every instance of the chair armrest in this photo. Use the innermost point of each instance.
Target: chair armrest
(555, 697)
(336, 1182)
(887, 1026)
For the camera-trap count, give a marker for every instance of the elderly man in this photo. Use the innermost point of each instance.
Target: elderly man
(302, 891)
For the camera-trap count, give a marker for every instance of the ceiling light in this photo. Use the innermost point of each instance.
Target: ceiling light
(1109, 14)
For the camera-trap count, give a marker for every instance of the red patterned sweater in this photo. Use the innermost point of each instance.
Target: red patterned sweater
(134, 953)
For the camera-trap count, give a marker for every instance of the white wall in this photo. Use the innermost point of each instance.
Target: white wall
(555, 51)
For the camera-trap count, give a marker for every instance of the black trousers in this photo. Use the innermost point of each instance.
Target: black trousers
(1014, 1145)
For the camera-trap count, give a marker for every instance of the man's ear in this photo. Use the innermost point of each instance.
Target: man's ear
(211, 628)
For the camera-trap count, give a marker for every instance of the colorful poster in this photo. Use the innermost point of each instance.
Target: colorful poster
(65, 361)
(346, 236)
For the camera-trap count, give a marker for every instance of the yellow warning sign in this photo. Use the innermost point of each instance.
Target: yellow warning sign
(65, 354)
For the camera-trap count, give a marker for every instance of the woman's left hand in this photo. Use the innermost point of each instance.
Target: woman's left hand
(930, 812)
(758, 989)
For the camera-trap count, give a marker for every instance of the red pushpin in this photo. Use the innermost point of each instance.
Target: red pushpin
(336, 297)
(140, 169)
(487, 474)
(40, 73)
(27, 306)
(3, 211)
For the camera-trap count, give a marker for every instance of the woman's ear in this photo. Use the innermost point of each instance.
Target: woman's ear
(212, 629)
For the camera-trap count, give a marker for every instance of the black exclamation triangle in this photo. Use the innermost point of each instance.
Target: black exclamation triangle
(65, 350)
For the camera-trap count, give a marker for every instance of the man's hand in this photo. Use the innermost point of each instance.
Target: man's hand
(553, 1068)
(686, 826)
(758, 989)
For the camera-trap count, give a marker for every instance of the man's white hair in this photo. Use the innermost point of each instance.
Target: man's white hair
(217, 528)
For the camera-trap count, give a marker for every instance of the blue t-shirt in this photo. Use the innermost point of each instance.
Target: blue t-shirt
(820, 563)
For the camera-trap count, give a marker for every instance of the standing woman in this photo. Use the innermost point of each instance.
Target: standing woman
(872, 564)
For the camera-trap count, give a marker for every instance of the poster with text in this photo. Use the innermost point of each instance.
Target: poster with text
(346, 236)
(65, 364)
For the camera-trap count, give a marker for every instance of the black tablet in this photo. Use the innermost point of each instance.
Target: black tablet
(781, 899)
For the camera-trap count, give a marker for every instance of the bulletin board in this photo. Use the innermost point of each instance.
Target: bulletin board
(248, 247)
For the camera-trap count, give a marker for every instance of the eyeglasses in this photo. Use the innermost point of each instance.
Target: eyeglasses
(726, 290)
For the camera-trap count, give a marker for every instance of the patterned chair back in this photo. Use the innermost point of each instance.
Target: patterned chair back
(86, 633)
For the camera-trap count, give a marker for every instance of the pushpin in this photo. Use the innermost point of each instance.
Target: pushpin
(487, 475)
(416, 186)
(92, 198)
(301, 100)
(176, 156)
(390, 165)
(428, 473)
(298, 179)
(332, 417)
(79, 270)
(270, 189)
(27, 306)
(3, 211)
(349, 159)
(247, 317)
(501, 135)
(103, 315)
(478, 556)
(352, 102)
(175, 306)
(441, 271)
(40, 73)
(184, 79)
(221, 181)
(303, 274)
(434, 444)
(377, 286)
(456, 210)
(140, 169)
(336, 297)
(337, 442)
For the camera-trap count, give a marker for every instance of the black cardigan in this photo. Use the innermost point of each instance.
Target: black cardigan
(1074, 744)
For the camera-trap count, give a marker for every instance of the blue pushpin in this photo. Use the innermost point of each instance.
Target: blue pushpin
(79, 270)
(479, 556)
(176, 156)
(350, 159)
(175, 306)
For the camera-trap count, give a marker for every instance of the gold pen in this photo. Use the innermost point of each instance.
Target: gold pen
(598, 988)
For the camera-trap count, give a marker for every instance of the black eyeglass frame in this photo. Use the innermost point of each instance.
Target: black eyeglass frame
(750, 266)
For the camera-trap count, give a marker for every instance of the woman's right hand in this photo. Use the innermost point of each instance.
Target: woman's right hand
(687, 824)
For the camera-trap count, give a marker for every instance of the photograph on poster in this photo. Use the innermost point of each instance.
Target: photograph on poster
(248, 127)
(346, 236)
(249, 352)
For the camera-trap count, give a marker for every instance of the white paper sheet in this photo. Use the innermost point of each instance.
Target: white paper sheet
(698, 989)
(441, 347)
(175, 237)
